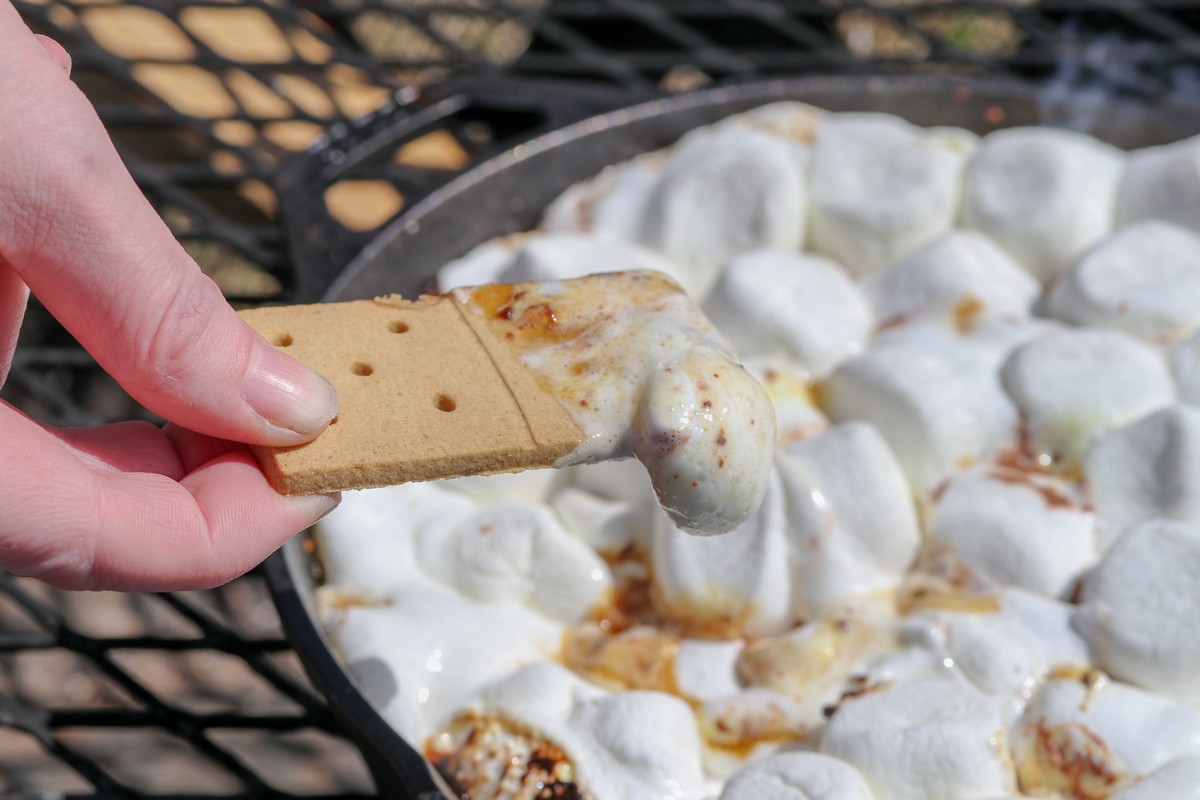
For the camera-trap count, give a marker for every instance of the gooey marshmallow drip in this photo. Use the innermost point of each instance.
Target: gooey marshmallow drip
(644, 373)
(973, 573)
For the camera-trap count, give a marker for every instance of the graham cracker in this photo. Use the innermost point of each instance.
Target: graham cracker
(424, 394)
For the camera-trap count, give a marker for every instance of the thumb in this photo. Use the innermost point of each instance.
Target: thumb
(79, 233)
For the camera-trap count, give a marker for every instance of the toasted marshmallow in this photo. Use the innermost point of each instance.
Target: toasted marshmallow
(728, 193)
(1162, 183)
(1015, 528)
(1144, 280)
(1044, 194)
(1081, 739)
(1074, 386)
(814, 662)
(797, 776)
(960, 276)
(513, 553)
(747, 723)
(705, 431)
(933, 395)
(1140, 610)
(1145, 470)
(423, 656)
(797, 306)
(627, 745)
(727, 584)
(1179, 780)
(881, 189)
(367, 542)
(851, 527)
(1007, 652)
(928, 739)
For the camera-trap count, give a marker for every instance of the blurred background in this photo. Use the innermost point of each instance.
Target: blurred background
(192, 695)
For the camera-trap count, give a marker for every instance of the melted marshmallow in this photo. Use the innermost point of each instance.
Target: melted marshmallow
(643, 373)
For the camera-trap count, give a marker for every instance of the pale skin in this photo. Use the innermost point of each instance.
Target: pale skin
(130, 505)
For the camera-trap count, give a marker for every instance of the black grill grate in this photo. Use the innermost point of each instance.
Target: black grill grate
(197, 695)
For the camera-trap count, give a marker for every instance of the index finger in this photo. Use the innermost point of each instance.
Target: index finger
(77, 230)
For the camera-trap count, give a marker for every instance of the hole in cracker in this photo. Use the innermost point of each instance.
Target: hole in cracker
(399, 326)
(333, 421)
(359, 368)
(284, 340)
(446, 403)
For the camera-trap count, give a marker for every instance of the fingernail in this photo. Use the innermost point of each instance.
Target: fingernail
(316, 507)
(288, 394)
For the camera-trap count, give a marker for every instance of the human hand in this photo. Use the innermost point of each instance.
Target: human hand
(129, 505)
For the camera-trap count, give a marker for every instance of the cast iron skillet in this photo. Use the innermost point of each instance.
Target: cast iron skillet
(508, 193)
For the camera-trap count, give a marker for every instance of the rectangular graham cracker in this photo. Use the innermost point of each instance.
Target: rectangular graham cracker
(424, 394)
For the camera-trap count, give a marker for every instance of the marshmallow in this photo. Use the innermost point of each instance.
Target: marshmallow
(1144, 280)
(1144, 470)
(1088, 739)
(932, 393)
(928, 739)
(611, 203)
(366, 543)
(705, 431)
(423, 656)
(619, 480)
(1140, 609)
(1044, 194)
(607, 526)
(960, 276)
(881, 189)
(728, 193)
(530, 486)
(790, 389)
(851, 528)
(1184, 359)
(481, 265)
(756, 718)
(1016, 528)
(813, 663)
(786, 304)
(511, 553)
(561, 256)
(797, 776)
(627, 745)
(707, 669)
(1075, 386)
(788, 120)
(1004, 653)
(731, 584)
(1179, 780)
(1162, 183)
